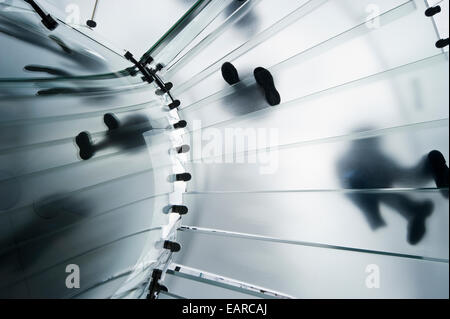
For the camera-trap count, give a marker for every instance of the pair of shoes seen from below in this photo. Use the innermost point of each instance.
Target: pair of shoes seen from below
(262, 76)
(84, 142)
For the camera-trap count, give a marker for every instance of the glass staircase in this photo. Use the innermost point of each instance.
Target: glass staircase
(262, 199)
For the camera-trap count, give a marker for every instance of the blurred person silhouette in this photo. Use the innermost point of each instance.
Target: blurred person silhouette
(46, 216)
(248, 22)
(366, 166)
(126, 136)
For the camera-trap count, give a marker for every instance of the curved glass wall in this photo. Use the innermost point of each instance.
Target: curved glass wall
(304, 199)
(102, 204)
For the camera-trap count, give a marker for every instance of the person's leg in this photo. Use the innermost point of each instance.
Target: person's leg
(419, 173)
(126, 134)
(84, 142)
(439, 170)
(415, 212)
(431, 167)
(369, 205)
(111, 121)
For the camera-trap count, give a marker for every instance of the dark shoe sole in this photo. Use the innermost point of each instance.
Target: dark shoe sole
(84, 143)
(111, 121)
(265, 81)
(229, 73)
(439, 168)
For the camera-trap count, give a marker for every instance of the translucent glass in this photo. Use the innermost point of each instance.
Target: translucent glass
(44, 151)
(312, 209)
(81, 175)
(311, 272)
(186, 35)
(328, 217)
(57, 209)
(396, 154)
(150, 20)
(58, 129)
(53, 277)
(47, 213)
(396, 97)
(250, 18)
(441, 19)
(64, 50)
(192, 289)
(41, 108)
(217, 286)
(326, 59)
(234, 10)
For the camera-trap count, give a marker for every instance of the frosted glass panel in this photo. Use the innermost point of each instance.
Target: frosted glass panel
(56, 130)
(93, 104)
(325, 60)
(216, 26)
(298, 200)
(309, 272)
(396, 97)
(61, 52)
(60, 152)
(55, 180)
(108, 214)
(194, 28)
(53, 277)
(250, 18)
(340, 218)
(192, 289)
(392, 158)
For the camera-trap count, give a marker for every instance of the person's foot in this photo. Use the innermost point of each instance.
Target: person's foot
(416, 225)
(84, 143)
(229, 73)
(265, 81)
(439, 170)
(111, 121)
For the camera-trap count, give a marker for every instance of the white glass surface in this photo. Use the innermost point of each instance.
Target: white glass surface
(107, 214)
(310, 272)
(330, 57)
(305, 211)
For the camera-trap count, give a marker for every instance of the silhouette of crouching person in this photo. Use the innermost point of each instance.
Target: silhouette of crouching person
(365, 166)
